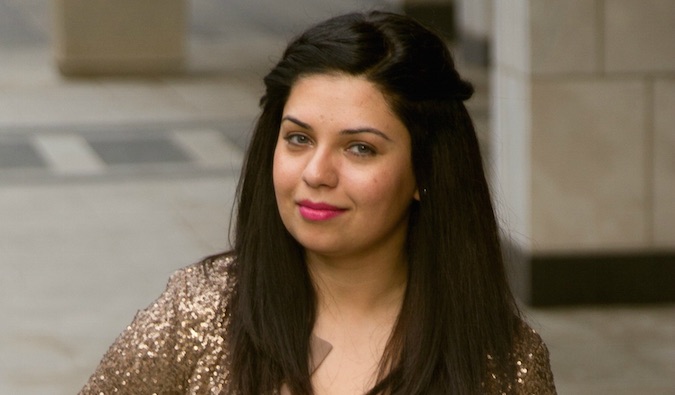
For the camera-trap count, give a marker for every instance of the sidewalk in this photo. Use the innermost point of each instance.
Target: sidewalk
(107, 185)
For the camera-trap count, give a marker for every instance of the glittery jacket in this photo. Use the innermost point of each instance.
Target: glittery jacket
(178, 345)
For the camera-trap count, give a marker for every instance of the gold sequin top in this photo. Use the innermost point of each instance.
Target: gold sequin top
(178, 345)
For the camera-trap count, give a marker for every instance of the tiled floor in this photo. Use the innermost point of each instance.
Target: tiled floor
(107, 185)
(611, 350)
(44, 154)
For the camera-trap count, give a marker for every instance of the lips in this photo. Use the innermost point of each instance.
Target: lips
(318, 211)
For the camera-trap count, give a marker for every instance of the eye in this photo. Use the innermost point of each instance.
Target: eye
(361, 149)
(297, 139)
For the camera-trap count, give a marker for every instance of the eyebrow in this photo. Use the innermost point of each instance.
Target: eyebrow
(343, 132)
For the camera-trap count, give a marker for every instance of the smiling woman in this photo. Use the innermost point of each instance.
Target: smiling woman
(342, 171)
(366, 256)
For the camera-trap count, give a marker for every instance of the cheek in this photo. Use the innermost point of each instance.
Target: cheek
(379, 190)
(278, 173)
(284, 175)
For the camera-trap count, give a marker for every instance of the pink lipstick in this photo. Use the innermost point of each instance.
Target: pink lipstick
(318, 211)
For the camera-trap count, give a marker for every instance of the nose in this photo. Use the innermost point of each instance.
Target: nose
(320, 170)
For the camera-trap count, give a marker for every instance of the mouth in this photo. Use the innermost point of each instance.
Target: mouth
(318, 211)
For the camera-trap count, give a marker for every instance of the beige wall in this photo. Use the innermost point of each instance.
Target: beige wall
(119, 36)
(584, 123)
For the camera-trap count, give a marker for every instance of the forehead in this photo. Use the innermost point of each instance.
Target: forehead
(340, 98)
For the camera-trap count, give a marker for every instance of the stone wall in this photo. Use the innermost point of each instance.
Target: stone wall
(583, 111)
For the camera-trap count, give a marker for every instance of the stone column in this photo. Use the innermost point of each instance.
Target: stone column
(474, 25)
(583, 143)
(119, 36)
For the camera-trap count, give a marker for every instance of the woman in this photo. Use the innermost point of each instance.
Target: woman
(366, 256)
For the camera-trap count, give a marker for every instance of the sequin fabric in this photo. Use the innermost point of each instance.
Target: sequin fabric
(178, 344)
(533, 374)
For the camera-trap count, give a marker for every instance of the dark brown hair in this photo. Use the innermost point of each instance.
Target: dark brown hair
(457, 308)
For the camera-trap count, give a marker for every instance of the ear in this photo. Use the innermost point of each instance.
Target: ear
(416, 195)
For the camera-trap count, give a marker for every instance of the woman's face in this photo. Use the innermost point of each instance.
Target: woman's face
(343, 176)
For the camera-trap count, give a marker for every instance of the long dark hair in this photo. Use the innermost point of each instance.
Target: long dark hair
(458, 311)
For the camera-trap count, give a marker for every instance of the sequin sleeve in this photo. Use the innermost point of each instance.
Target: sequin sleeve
(533, 374)
(528, 370)
(168, 345)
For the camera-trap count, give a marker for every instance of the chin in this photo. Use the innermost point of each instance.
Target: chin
(322, 248)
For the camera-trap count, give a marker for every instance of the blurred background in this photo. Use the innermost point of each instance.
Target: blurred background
(123, 125)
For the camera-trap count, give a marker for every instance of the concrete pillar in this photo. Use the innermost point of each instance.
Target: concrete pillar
(119, 36)
(474, 26)
(584, 147)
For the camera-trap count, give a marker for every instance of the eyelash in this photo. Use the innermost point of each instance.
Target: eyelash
(358, 149)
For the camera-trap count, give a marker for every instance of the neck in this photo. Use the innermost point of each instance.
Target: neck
(359, 287)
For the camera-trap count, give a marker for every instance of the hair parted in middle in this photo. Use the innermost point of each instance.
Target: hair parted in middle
(457, 307)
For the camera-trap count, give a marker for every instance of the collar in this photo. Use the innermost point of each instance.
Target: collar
(318, 351)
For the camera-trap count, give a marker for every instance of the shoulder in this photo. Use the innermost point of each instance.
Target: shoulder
(533, 367)
(203, 288)
(185, 324)
(527, 369)
(527, 339)
(211, 274)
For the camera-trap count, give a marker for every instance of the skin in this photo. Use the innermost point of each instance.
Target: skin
(340, 144)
